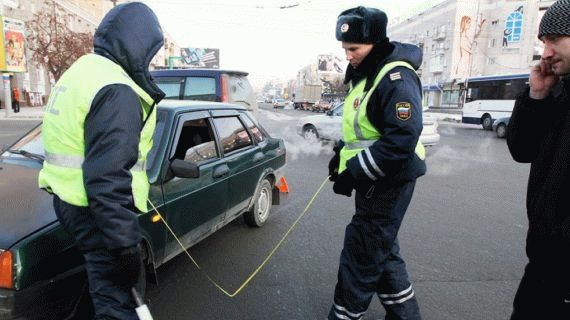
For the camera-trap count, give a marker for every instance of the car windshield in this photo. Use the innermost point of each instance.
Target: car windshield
(31, 145)
(337, 111)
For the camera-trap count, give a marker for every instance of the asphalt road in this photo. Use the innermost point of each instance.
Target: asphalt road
(463, 238)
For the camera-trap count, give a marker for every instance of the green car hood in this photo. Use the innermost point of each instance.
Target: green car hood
(24, 208)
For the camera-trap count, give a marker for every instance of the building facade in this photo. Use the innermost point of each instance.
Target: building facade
(467, 38)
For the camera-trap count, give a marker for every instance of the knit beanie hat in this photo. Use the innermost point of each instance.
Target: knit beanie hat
(556, 20)
(362, 25)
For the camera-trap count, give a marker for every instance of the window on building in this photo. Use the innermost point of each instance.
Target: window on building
(513, 27)
(492, 43)
(490, 60)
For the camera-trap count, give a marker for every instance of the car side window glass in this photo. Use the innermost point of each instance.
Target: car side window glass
(233, 134)
(338, 111)
(196, 143)
(257, 134)
(170, 86)
(200, 88)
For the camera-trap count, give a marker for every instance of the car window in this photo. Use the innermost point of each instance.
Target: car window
(337, 111)
(233, 134)
(258, 135)
(200, 88)
(240, 90)
(196, 142)
(170, 86)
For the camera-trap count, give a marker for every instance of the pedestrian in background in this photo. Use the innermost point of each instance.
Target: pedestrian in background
(15, 100)
(539, 133)
(97, 131)
(380, 156)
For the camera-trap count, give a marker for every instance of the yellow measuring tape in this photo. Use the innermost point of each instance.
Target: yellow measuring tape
(248, 280)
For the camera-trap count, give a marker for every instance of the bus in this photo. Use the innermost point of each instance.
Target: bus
(486, 98)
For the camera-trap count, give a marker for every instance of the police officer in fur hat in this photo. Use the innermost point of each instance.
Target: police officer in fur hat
(379, 157)
(539, 133)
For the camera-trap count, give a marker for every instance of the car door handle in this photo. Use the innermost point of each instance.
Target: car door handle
(221, 171)
(258, 157)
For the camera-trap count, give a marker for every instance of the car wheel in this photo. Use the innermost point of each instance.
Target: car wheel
(261, 206)
(502, 130)
(310, 133)
(487, 122)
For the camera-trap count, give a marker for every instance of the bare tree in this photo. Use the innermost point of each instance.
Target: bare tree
(54, 45)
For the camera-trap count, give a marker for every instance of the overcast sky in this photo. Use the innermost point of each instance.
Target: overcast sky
(260, 37)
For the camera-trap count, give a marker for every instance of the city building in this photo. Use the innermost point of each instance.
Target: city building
(466, 38)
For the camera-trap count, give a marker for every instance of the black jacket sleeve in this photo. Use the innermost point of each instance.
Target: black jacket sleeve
(112, 135)
(395, 110)
(527, 127)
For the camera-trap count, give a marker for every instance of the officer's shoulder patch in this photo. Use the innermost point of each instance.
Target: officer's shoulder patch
(394, 76)
(403, 110)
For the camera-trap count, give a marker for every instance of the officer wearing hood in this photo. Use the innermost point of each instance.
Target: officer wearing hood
(380, 157)
(97, 132)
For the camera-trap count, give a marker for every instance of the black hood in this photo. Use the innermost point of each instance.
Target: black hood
(381, 54)
(130, 35)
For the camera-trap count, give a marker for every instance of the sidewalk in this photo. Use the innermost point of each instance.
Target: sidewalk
(26, 113)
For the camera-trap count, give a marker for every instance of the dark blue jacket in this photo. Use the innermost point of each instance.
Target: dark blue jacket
(394, 152)
(130, 36)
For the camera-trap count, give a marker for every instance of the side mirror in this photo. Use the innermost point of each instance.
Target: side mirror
(184, 169)
(329, 113)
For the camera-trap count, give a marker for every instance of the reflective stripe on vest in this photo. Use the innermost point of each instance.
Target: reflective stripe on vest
(358, 133)
(63, 130)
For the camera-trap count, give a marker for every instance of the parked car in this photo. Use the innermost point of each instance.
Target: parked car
(207, 85)
(210, 163)
(321, 106)
(329, 126)
(500, 126)
(279, 103)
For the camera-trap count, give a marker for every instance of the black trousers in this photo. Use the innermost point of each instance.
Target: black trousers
(16, 106)
(110, 300)
(370, 262)
(543, 293)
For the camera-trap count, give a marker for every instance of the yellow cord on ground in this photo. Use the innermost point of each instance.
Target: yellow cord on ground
(248, 280)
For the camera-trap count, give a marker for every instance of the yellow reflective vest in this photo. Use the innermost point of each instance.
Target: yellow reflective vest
(357, 131)
(63, 130)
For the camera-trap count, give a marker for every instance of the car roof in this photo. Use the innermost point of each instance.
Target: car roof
(184, 105)
(196, 71)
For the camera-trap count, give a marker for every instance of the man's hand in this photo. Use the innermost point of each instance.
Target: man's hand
(333, 167)
(344, 183)
(128, 267)
(542, 80)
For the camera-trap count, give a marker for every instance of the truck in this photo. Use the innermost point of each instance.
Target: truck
(307, 95)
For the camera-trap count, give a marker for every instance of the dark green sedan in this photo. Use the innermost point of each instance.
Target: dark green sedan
(211, 163)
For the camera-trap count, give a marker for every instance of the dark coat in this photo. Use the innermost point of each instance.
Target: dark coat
(539, 133)
(130, 36)
(394, 152)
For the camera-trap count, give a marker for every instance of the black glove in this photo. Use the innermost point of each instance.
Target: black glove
(333, 167)
(128, 266)
(344, 183)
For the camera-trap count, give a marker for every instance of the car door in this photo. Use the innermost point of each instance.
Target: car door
(195, 207)
(242, 156)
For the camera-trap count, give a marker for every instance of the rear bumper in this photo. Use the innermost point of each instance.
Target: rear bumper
(430, 139)
(52, 299)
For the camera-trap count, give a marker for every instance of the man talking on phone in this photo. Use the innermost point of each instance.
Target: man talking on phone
(539, 133)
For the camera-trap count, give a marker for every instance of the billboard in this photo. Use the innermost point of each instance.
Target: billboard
(329, 63)
(201, 57)
(12, 50)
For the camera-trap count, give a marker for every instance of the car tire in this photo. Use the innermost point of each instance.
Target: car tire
(261, 208)
(310, 132)
(502, 130)
(487, 122)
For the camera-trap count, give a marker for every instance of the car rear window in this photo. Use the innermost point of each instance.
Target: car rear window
(200, 88)
(170, 86)
(240, 90)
